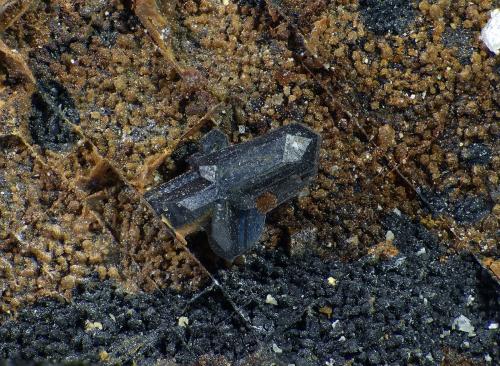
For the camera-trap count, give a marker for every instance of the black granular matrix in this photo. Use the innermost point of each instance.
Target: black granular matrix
(387, 16)
(410, 309)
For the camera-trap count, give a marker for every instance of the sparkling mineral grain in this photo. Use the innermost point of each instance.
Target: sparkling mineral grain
(463, 324)
(229, 189)
(490, 34)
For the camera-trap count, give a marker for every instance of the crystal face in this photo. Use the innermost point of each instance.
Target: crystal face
(229, 189)
(295, 147)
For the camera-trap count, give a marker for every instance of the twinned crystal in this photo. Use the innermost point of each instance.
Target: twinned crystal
(229, 189)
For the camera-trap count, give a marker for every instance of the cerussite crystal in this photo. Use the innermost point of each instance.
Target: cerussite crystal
(229, 189)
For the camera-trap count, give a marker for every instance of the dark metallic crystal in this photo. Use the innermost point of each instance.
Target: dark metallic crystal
(229, 189)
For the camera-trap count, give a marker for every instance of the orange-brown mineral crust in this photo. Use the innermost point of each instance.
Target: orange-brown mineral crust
(408, 118)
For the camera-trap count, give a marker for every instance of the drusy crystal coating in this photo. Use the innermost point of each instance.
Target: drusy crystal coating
(229, 189)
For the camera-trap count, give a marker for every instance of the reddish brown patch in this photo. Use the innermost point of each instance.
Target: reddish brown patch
(383, 250)
(266, 202)
(493, 265)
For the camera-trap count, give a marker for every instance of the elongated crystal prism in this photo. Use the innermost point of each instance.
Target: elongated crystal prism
(229, 189)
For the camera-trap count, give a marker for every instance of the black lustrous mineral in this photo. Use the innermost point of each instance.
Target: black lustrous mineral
(229, 189)
(53, 111)
(387, 16)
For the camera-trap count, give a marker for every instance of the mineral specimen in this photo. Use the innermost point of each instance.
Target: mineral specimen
(490, 34)
(229, 189)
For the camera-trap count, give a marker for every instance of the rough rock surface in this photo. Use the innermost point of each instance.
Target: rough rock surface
(377, 312)
(407, 108)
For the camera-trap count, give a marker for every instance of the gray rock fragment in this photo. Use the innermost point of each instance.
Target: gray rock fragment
(463, 324)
